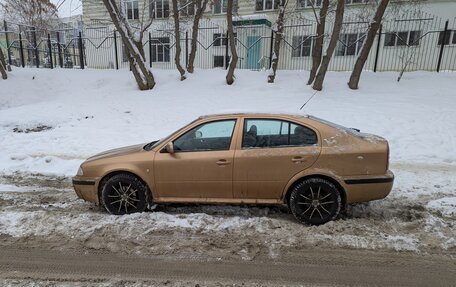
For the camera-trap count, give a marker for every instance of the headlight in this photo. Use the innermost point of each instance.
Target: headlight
(80, 172)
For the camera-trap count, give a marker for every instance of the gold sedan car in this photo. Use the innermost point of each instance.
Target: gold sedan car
(313, 166)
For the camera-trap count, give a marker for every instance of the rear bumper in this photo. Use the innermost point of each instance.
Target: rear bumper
(86, 188)
(366, 188)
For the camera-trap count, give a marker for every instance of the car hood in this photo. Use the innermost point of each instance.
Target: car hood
(118, 152)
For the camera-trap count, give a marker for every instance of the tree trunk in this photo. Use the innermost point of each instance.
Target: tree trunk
(318, 48)
(195, 29)
(375, 25)
(178, 43)
(320, 77)
(278, 39)
(3, 66)
(234, 56)
(134, 48)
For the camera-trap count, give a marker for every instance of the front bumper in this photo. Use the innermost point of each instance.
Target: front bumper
(86, 188)
(366, 188)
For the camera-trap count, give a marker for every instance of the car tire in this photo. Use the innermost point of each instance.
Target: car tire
(315, 201)
(124, 194)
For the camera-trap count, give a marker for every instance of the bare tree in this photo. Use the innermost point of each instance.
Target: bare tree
(319, 38)
(37, 13)
(178, 39)
(200, 8)
(232, 43)
(278, 40)
(373, 29)
(132, 41)
(3, 66)
(338, 21)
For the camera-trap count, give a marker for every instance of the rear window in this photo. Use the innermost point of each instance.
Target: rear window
(264, 133)
(339, 127)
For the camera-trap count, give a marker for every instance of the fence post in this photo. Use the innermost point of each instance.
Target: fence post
(50, 51)
(21, 47)
(186, 48)
(81, 53)
(37, 54)
(226, 50)
(8, 49)
(59, 49)
(150, 50)
(271, 48)
(442, 45)
(115, 50)
(378, 48)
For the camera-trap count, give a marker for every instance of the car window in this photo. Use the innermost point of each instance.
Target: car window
(206, 137)
(260, 133)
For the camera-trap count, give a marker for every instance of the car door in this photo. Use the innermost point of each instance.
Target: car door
(270, 152)
(201, 166)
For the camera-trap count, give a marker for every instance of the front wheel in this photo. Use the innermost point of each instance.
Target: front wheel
(315, 201)
(124, 194)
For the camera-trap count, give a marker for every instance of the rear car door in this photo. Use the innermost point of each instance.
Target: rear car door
(270, 153)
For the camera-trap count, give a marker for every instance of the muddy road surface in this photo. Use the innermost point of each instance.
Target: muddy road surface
(317, 267)
(405, 239)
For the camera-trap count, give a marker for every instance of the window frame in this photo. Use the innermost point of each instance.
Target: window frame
(290, 122)
(407, 43)
(135, 11)
(155, 45)
(451, 38)
(153, 12)
(358, 44)
(317, 4)
(302, 39)
(230, 147)
(350, 2)
(184, 11)
(275, 5)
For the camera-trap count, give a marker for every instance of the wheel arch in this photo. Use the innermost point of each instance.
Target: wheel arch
(343, 195)
(110, 174)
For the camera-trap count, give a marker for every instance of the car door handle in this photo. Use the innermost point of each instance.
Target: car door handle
(297, 159)
(223, 162)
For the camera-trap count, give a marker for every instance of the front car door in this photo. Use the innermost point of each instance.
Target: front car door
(201, 166)
(270, 152)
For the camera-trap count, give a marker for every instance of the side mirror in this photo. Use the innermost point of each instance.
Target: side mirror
(170, 147)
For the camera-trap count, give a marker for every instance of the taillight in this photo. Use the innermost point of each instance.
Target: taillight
(387, 155)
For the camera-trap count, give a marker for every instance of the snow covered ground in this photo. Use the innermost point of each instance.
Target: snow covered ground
(51, 120)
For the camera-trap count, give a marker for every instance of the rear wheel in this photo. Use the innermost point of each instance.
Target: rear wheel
(124, 194)
(315, 201)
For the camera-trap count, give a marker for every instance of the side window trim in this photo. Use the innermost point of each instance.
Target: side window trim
(244, 130)
(235, 120)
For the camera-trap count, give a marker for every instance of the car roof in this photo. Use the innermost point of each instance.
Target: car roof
(253, 114)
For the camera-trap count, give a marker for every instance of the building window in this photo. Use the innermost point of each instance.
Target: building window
(187, 8)
(220, 39)
(220, 6)
(221, 61)
(405, 38)
(302, 46)
(264, 5)
(348, 2)
(350, 44)
(159, 9)
(160, 49)
(450, 37)
(131, 9)
(309, 3)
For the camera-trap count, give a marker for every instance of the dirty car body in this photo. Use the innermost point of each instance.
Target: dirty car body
(314, 166)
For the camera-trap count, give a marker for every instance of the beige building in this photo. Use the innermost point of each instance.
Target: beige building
(411, 37)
